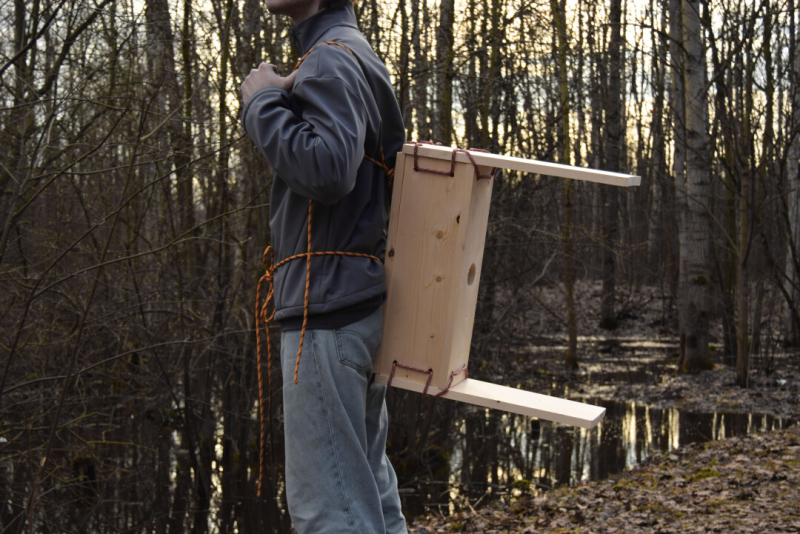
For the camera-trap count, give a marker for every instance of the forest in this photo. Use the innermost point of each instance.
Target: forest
(134, 214)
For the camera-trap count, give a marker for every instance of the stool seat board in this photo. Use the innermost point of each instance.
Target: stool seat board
(437, 232)
(512, 400)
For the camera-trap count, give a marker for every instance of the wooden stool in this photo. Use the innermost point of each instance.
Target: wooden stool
(437, 233)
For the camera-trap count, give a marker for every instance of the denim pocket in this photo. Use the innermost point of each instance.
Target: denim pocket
(356, 351)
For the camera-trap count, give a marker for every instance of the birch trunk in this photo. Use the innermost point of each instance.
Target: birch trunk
(695, 259)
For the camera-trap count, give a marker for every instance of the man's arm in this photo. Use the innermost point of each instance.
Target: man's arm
(318, 153)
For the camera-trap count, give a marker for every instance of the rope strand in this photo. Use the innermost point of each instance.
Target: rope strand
(305, 295)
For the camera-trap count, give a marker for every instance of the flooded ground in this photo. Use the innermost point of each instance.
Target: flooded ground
(648, 412)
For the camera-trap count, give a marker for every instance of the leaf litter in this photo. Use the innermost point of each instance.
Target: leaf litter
(742, 484)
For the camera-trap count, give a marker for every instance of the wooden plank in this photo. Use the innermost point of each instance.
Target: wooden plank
(383, 364)
(525, 165)
(426, 253)
(512, 400)
(471, 266)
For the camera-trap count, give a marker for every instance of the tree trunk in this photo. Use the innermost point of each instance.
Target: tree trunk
(608, 317)
(742, 286)
(571, 356)
(746, 220)
(444, 73)
(471, 97)
(656, 232)
(596, 135)
(420, 73)
(404, 92)
(793, 175)
(678, 106)
(695, 261)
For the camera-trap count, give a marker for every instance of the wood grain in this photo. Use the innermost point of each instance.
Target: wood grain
(425, 249)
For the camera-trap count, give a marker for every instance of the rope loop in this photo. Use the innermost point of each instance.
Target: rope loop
(429, 372)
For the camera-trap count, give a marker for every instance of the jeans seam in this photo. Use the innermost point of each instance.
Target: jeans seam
(333, 439)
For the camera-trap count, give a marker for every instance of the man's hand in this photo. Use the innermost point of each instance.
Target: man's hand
(265, 76)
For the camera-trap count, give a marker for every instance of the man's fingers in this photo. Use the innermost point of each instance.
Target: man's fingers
(268, 67)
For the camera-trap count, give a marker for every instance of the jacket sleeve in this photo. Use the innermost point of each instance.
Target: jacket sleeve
(317, 151)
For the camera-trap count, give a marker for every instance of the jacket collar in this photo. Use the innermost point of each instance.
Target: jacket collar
(308, 32)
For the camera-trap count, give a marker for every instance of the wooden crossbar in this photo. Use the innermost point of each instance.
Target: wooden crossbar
(527, 165)
(511, 400)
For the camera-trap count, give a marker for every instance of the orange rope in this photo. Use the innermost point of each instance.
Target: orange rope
(382, 164)
(305, 294)
(263, 318)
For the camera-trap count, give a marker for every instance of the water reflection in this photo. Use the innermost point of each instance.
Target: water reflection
(498, 453)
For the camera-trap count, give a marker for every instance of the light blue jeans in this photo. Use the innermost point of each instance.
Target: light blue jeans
(338, 477)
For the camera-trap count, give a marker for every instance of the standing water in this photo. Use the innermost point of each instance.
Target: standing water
(499, 454)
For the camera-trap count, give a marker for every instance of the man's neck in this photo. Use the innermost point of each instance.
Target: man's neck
(307, 10)
(297, 10)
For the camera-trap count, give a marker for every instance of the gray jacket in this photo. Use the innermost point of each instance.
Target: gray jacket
(315, 137)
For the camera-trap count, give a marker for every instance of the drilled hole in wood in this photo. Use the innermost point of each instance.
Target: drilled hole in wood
(471, 275)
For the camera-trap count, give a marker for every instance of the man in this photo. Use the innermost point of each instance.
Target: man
(325, 129)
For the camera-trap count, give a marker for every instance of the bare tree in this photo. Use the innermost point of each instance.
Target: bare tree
(695, 255)
(613, 145)
(793, 179)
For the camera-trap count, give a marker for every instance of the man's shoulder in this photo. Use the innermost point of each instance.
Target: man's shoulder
(345, 55)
